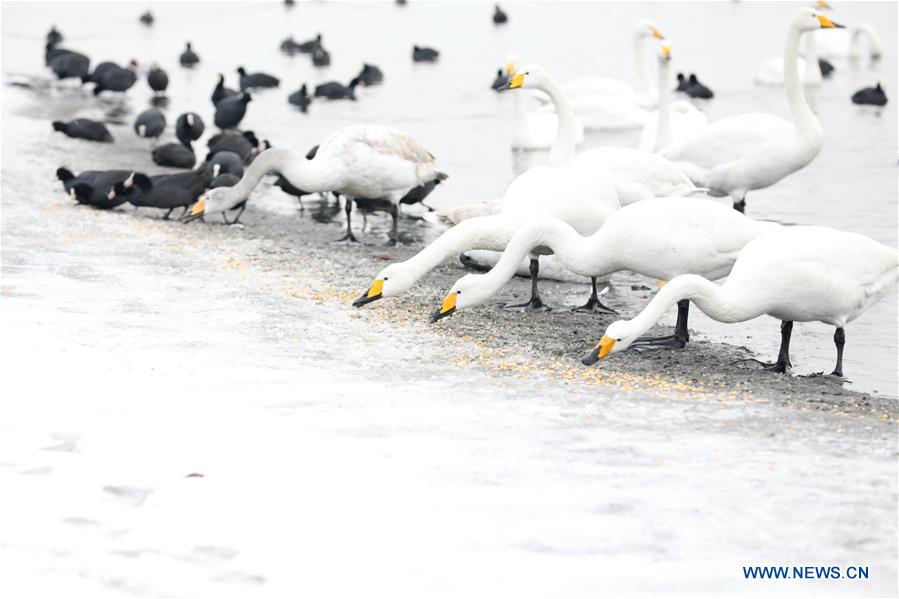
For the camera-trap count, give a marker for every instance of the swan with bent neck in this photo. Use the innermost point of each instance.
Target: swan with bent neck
(631, 175)
(361, 161)
(660, 238)
(797, 274)
(737, 154)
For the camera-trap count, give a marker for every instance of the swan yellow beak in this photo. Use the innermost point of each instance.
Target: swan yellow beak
(666, 51)
(824, 5)
(599, 352)
(657, 34)
(446, 308)
(828, 24)
(199, 207)
(374, 293)
(517, 81)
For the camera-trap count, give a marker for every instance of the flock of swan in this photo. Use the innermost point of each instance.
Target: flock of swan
(608, 209)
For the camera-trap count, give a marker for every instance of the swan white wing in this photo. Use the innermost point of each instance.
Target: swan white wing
(635, 174)
(815, 273)
(730, 138)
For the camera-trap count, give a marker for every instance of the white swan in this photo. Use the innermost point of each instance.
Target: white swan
(797, 274)
(581, 199)
(772, 70)
(645, 94)
(537, 129)
(660, 238)
(635, 174)
(846, 43)
(664, 127)
(751, 151)
(630, 175)
(361, 161)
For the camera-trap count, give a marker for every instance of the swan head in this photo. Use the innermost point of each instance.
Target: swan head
(646, 28)
(529, 76)
(466, 292)
(219, 199)
(618, 337)
(665, 54)
(392, 280)
(809, 19)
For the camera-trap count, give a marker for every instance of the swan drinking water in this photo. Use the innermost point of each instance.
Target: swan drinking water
(361, 161)
(660, 238)
(756, 150)
(797, 274)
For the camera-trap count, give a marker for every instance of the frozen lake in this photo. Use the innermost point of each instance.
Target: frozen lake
(183, 422)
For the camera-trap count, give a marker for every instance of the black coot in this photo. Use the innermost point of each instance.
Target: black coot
(157, 79)
(149, 123)
(168, 192)
(54, 36)
(300, 98)
(189, 58)
(499, 17)
(189, 127)
(872, 96)
(334, 90)
(243, 143)
(695, 89)
(321, 57)
(147, 18)
(424, 54)
(231, 110)
(308, 46)
(67, 64)
(84, 129)
(221, 91)
(115, 79)
(370, 75)
(682, 83)
(256, 80)
(97, 188)
(174, 154)
(827, 69)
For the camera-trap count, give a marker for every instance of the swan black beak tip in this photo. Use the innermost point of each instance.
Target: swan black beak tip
(437, 314)
(591, 358)
(365, 298)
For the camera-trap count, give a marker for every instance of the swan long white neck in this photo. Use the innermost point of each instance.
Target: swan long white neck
(716, 301)
(812, 67)
(308, 175)
(566, 134)
(581, 255)
(480, 232)
(803, 117)
(643, 77)
(865, 30)
(664, 132)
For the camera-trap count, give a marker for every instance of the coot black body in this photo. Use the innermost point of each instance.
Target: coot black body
(189, 127)
(826, 67)
(96, 188)
(157, 79)
(695, 89)
(84, 129)
(871, 96)
(370, 75)
(334, 90)
(67, 64)
(171, 191)
(308, 46)
(174, 154)
(231, 110)
(224, 180)
(424, 54)
(300, 98)
(499, 17)
(115, 79)
(244, 144)
(682, 83)
(149, 123)
(189, 58)
(147, 18)
(221, 92)
(321, 57)
(256, 80)
(224, 162)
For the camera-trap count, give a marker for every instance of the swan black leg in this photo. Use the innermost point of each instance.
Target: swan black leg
(535, 304)
(394, 231)
(243, 207)
(594, 305)
(676, 341)
(348, 208)
(783, 364)
(839, 339)
(740, 206)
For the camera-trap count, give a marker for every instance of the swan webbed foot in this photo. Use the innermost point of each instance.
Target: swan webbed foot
(833, 376)
(664, 342)
(778, 367)
(347, 239)
(595, 306)
(535, 304)
(740, 206)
